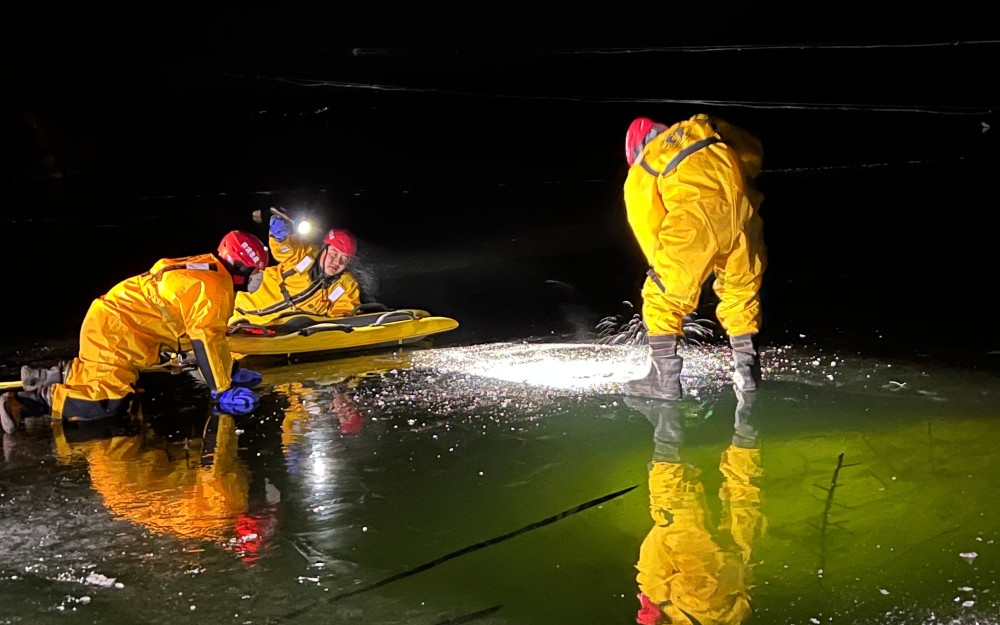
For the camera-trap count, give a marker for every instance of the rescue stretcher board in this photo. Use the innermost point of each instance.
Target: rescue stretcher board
(301, 334)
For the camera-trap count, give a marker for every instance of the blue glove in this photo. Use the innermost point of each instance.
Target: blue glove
(279, 228)
(237, 400)
(246, 378)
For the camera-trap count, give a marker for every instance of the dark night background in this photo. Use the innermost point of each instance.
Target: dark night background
(483, 178)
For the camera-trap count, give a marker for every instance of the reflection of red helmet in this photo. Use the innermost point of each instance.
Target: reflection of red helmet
(351, 421)
(649, 613)
(243, 252)
(341, 240)
(254, 533)
(640, 132)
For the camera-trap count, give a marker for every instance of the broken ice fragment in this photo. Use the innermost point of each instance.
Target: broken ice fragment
(969, 556)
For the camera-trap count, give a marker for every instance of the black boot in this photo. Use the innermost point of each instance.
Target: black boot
(746, 362)
(663, 381)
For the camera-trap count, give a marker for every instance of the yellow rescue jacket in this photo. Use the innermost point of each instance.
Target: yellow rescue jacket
(740, 157)
(182, 302)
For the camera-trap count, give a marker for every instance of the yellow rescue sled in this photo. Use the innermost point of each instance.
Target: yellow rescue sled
(372, 326)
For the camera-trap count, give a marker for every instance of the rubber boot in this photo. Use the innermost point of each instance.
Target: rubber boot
(663, 381)
(746, 362)
(33, 378)
(15, 407)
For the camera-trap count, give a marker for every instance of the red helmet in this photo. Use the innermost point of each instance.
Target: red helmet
(341, 240)
(640, 132)
(242, 253)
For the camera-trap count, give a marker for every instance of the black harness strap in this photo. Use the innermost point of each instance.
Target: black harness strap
(288, 302)
(689, 150)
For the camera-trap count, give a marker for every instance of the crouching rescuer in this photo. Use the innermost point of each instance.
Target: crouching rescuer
(182, 302)
(692, 204)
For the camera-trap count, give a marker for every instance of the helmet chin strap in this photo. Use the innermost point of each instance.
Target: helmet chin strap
(242, 282)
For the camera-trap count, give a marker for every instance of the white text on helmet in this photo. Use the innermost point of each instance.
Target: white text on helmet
(250, 252)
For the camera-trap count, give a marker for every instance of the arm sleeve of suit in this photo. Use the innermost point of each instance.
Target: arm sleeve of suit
(644, 210)
(290, 252)
(206, 305)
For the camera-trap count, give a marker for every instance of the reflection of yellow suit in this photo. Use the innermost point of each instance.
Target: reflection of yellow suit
(338, 377)
(684, 569)
(167, 488)
(296, 284)
(301, 402)
(692, 207)
(184, 300)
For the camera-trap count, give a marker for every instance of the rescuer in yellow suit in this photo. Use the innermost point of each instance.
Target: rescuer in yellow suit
(305, 279)
(690, 572)
(179, 304)
(693, 207)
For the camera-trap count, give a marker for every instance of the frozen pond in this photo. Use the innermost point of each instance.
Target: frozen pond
(511, 483)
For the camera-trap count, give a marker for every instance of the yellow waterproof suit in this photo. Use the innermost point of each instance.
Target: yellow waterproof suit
(692, 574)
(297, 283)
(179, 489)
(691, 204)
(182, 302)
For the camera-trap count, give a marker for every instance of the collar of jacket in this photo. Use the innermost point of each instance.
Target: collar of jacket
(669, 148)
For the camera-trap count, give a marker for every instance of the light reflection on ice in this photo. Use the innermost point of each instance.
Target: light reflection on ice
(581, 368)
(556, 365)
(527, 377)
(585, 368)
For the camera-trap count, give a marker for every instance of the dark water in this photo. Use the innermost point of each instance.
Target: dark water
(888, 262)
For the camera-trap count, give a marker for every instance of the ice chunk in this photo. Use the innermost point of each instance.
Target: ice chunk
(969, 556)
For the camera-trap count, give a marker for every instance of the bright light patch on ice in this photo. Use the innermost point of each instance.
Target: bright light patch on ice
(550, 365)
(561, 366)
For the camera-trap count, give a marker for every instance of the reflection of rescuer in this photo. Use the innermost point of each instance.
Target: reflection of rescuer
(310, 402)
(303, 405)
(306, 279)
(690, 572)
(196, 489)
(180, 303)
(693, 207)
